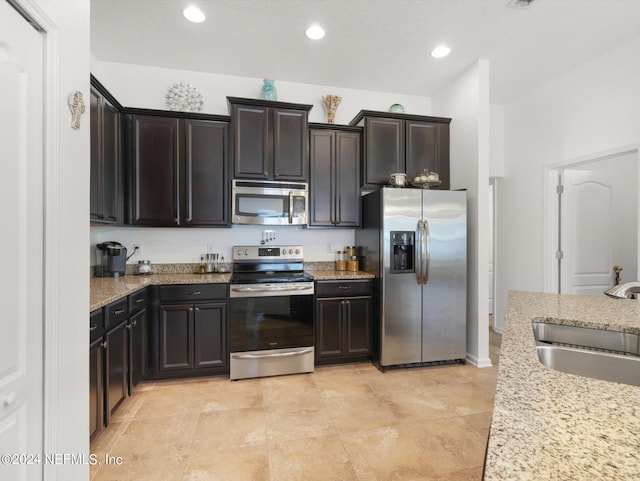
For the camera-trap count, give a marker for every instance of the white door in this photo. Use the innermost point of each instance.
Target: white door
(21, 252)
(599, 224)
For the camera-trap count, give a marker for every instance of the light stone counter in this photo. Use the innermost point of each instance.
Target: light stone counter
(548, 425)
(108, 289)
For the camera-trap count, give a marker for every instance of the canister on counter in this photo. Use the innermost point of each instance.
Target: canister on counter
(351, 251)
(341, 261)
(352, 264)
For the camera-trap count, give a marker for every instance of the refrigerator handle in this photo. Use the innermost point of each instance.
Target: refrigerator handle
(427, 251)
(418, 249)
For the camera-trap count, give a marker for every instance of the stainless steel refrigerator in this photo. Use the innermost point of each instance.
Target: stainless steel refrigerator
(415, 242)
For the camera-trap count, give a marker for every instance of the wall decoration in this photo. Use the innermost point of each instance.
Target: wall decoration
(397, 108)
(269, 91)
(77, 107)
(331, 103)
(184, 97)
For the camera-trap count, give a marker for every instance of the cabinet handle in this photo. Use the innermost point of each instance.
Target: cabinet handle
(196, 308)
(138, 301)
(129, 326)
(344, 287)
(135, 323)
(118, 312)
(196, 293)
(105, 344)
(93, 327)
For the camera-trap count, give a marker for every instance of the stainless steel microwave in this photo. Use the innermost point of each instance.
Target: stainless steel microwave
(269, 202)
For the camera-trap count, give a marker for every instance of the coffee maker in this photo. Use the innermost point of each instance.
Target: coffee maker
(111, 259)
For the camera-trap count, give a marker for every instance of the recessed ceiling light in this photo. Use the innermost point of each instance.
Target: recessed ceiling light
(194, 14)
(440, 51)
(314, 32)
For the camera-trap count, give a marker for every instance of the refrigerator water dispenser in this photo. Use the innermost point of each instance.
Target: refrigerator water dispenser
(402, 251)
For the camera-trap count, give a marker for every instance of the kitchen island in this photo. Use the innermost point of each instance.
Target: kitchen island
(551, 425)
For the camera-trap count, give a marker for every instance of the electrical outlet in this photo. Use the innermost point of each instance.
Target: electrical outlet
(137, 250)
(330, 247)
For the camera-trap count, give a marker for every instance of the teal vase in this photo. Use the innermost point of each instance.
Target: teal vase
(269, 91)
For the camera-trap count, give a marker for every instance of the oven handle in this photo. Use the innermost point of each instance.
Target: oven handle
(270, 289)
(275, 354)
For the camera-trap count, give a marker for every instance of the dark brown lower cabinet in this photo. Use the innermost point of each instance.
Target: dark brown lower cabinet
(96, 387)
(137, 348)
(343, 322)
(193, 336)
(116, 368)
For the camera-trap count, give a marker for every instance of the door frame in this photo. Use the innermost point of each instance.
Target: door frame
(51, 266)
(551, 218)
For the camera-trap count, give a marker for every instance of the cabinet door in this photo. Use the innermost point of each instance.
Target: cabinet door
(347, 179)
(95, 187)
(384, 150)
(138, 348)
(210, 335)
(290, 154)
(176, 334)
(116, 373)
(357, 325)
(110, 163)
(251, 141)
(153, 192)
(96, 390)
(204, 179)
(428, 148)
(322, 169)
(329, 331)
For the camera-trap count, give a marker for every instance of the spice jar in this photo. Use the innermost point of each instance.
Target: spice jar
(351, 251)
(352, 264)
(341, 261)
(144, 267)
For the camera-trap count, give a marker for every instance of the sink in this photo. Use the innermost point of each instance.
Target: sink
(599, 354)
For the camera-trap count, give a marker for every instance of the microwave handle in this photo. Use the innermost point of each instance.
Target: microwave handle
(290, 207)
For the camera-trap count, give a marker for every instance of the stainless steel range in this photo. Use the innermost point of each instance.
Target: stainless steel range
(271, 312)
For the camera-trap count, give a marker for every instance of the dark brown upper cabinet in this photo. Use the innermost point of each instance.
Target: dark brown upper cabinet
(334, 159)
(177, 169)
(105, 184)
(402, 143)
(269, 139)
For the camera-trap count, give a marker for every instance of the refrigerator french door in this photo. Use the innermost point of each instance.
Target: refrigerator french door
(419, 237)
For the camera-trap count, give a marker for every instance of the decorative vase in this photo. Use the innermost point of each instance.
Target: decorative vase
(331, 103)
(397, 108)
(269, 91)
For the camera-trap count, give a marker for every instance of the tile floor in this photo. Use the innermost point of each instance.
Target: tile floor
(341, 423)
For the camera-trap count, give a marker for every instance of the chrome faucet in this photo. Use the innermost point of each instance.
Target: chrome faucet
(628, 290)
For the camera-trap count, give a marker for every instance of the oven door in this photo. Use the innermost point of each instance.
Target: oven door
(270, 316)
(269, 203)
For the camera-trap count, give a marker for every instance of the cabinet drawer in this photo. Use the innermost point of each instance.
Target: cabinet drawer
(96, 324)
(116, 312)
(343, 288)
(193, 292)
(137, 301)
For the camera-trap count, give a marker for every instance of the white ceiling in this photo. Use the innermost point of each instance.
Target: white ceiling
(379, 45)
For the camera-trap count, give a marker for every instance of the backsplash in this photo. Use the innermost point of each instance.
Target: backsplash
(172, 246)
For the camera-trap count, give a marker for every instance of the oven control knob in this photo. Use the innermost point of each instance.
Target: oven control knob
(290, 251)
(239, 252)
(246, 252)
(284, 252)
(297, 251)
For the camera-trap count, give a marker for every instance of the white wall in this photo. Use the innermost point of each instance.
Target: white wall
(67, 356)
(466, 101)
(591, 109)
(145, 87)
(496, 149)
(175, 245)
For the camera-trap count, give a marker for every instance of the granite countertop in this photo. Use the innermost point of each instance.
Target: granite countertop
(548, 425)
(104, 290)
